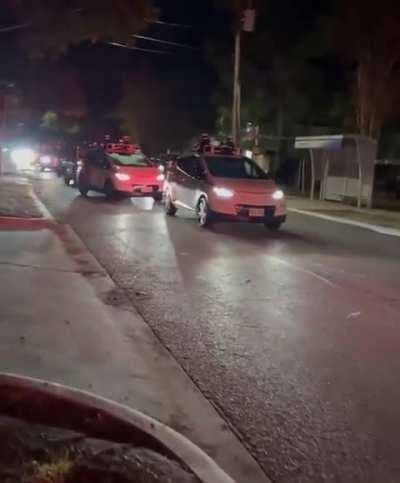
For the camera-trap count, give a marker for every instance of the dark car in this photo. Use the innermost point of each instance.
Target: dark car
(70, 171)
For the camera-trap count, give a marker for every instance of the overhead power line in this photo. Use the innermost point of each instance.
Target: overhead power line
(12, 28)
(169, 24)
(166, 42)
(133, 47)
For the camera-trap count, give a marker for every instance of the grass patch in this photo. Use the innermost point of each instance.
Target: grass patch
(55, 471)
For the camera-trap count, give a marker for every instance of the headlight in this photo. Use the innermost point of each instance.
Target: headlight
(122, 176)
(45, 159)
(278, 195)
(161, 168)
(23, 157)
(223, 192)
(160, 177)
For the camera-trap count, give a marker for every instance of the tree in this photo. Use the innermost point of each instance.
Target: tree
(52, 27)
(368, 34)
(158, 110)
(282, 89)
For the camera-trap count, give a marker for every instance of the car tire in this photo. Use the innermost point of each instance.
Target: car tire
(273, 225)
(170, 208)
(83, 189)
(109, 190)
(158, 197)
(204, 214)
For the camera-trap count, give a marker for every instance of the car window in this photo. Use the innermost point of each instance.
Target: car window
(137, 159)
(189, 165)
(234, 167)
(96, 157)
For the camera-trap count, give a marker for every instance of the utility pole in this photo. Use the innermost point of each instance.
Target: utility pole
(236, 90)
(246, 23)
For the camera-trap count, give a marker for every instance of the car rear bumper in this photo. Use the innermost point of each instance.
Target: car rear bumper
(149, 188)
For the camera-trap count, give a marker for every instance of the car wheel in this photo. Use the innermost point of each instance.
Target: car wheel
(109, 190)
(158, 197)
(273, 225)
(204, 214)
(83, 189)
(170, 208)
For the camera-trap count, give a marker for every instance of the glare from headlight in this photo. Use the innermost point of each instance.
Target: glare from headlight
(161, 168)
(223, 192)
(45, 159)
(23, 157)
(122, 176)
(278, 195)
(160, 177)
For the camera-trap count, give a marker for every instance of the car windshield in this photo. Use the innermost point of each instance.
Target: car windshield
(138, 159)
(234, 167)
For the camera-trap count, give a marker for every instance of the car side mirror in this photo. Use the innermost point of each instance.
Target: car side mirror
(200, 174)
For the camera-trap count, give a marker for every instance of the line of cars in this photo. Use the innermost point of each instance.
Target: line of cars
(215, 182)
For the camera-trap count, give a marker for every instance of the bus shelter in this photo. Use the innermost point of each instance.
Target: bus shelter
(342, 165)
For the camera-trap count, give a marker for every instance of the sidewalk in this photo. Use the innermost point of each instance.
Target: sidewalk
(63, 319)
(381, 221)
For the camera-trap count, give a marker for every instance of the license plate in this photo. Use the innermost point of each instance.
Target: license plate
(256, 212)
(147, 189)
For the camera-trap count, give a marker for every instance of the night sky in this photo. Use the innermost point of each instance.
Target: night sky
(177, 86)
(175, 93)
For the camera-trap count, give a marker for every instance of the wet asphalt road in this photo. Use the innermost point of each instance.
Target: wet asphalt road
(294, 336)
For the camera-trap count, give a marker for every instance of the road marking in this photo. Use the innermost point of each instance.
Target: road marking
(382, 230)
(353, 315)
(307, 272)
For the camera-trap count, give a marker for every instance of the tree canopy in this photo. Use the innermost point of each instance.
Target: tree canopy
(53, 26)
(312, 66)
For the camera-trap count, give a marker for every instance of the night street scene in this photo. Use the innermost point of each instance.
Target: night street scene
(200, 241)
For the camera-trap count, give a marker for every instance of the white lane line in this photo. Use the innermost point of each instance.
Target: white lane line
(382, 230)
(353, 315)
(307, 272)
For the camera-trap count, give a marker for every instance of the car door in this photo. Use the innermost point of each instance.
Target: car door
(195, 182)
(98, 170)
(187, 183)
(179, 180)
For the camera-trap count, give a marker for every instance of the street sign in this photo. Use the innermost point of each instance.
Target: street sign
(330, 143)
(249, 20)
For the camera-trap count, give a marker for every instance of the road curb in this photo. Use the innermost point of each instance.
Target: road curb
(42, 208)
(183, 449)
(21, 222)
(382, 230)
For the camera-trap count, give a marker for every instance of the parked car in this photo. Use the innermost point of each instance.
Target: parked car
(70, 171)
(219, 184)
(120, 169)
(50, 162)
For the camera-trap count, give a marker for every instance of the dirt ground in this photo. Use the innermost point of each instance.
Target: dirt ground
(31, 453)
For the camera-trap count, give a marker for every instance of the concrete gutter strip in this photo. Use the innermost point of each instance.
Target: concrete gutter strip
(376, 228)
